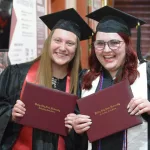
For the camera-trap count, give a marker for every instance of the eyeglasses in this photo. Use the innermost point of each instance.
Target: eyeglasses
(112, 44)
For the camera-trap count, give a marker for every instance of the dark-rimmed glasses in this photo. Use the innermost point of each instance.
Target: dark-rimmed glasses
(112, 44)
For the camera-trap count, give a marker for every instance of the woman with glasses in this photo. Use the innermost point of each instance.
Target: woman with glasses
(113, 59)
(57, 67)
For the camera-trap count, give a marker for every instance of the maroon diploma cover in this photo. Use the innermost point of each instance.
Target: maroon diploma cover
(46, 108)
(108, 111)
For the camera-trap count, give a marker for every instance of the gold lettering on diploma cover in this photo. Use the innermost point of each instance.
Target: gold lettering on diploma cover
(47, 108)
(107, 109)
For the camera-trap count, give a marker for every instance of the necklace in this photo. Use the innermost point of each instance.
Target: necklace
(55, 82)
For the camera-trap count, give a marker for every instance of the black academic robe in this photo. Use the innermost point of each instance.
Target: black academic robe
(115, 141)
(11, 81)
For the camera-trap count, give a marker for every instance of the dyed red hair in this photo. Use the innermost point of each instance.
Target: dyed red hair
(129, 68)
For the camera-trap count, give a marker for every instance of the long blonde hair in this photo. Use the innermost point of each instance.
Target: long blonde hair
(44, 74)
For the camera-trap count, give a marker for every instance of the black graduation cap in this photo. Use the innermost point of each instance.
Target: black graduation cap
(115, 21)
(68, 20)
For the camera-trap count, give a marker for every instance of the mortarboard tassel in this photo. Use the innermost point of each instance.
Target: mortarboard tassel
(91, 40)
(138, 49)
(93, 37)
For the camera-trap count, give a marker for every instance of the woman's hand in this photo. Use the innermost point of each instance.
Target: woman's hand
(81, 123)
(138, 106)
(18, 110)
(69, 120)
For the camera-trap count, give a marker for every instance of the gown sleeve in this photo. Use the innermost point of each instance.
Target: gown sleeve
(80, 140)
(148, 79)
(11, 81)
(145, 115)
(81, 74)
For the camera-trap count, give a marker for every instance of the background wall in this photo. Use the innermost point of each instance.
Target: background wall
(28, 32)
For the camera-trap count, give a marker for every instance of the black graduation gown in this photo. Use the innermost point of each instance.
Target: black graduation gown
(115, 141)
(11, 81)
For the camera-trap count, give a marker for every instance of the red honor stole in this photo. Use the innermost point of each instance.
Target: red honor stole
(24, 140)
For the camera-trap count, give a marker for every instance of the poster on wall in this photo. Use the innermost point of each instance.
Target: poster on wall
(25, 30)
(5, 24)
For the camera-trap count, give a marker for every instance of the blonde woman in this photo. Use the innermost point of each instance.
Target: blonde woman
(56, 68)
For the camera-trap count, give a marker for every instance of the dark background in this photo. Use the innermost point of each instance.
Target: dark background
(5, 23)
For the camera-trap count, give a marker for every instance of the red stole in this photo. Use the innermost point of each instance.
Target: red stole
(24, 140)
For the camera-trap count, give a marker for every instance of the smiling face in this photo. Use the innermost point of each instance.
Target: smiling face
(63, 47)
(111, 60)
